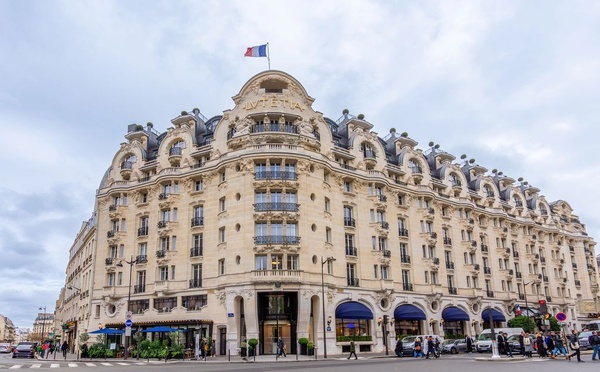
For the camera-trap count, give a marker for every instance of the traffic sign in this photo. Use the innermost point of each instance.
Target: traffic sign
(129, 315)
(561, 317)
(128, 323)
(128, 331)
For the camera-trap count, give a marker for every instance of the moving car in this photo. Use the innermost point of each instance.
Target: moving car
(584, 344)
(24, 350)
(454, 346)
(4, 348)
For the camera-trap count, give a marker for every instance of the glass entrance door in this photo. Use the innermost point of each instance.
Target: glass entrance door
(272, 332)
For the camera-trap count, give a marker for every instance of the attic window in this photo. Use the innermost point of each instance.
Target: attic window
(274, 86)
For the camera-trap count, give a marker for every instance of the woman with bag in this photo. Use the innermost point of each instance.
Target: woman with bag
(418, 353)
(574, 345)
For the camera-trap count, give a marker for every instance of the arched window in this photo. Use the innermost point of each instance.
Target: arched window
(414, 166)
(517, 200)
(177, 147)
(128, 161)
(368, 151)
(489, 191)
(454, 180)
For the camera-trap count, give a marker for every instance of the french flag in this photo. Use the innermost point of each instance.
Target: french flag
(256, 51)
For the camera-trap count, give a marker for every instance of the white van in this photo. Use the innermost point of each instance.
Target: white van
(484, 341)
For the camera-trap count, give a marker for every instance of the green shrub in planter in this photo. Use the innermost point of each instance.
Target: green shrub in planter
(303, 341)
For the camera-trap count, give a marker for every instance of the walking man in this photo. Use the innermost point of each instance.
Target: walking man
(281, 347)
(469, 342)
(64, 348)
(352, 350)
(574, 345)
(594, 340)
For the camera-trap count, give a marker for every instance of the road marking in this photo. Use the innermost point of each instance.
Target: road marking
(90, 364)
(36, 365)
(72, 365)
(16, 366)
(124, 364)
(140, 364)
(54, 365)
(106, 364)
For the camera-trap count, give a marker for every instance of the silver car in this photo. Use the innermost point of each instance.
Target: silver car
(584, 344)
(454, 346)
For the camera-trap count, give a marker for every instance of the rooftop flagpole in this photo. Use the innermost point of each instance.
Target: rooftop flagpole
(268, 56)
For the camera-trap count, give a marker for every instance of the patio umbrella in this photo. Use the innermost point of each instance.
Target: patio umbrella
(161, 329)
(108, 331)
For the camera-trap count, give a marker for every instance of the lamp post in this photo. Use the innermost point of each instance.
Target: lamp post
(43, 321)
(323, 262)
(78, 290)
(120, 264)
(384, 323)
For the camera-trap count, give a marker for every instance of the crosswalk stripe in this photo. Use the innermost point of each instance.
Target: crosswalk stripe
(140, 364)
(54, 365)
(90, 364)
(72, 365)
(36, 365)
(16, 366)
(124, 364)
(106, 364)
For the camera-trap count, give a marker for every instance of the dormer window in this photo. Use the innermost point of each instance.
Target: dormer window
(454, 180)
(128, 162)
(517, 200)
(177, 148)
(489, 192)
(414, 166)
(367, 151)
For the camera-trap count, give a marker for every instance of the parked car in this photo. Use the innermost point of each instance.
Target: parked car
(583, 340)
(454, 346)
(24, 350)
(5, 348)
(408, 343)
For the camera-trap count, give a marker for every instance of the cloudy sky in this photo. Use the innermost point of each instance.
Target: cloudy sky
(513, 84)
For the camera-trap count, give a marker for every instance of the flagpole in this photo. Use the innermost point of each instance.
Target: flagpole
(268, 56)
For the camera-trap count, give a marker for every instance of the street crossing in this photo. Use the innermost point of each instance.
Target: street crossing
(70, 365)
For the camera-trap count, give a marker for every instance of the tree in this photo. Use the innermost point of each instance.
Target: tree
(522, 321)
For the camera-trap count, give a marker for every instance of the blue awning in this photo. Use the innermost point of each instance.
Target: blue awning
(454, 314)
(353, 310)
(409, 312)
(496, 316)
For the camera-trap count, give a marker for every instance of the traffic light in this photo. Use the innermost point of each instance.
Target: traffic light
(543, 307)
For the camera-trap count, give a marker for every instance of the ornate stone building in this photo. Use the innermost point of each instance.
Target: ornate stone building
(235, 227)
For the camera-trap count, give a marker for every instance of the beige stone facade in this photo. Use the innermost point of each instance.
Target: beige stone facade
(233, 227)
(7, 330)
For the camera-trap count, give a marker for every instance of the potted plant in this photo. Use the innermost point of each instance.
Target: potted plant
(303, 341)
(252, 345)
(311, 348)
(243, 349)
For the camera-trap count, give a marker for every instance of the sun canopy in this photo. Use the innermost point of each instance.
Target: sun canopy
(454, 314)
(107, 331)
(353, 310)
(160, 329)
(409, 312)
(497, 316)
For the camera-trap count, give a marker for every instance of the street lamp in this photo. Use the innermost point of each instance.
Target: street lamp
(323, 262)
(43, 321)
(71, 287)
(120, 264)
(383, 322)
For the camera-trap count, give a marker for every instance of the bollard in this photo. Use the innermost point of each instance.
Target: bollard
(229, 355)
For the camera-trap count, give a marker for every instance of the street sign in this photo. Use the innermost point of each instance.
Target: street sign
(561, 317)
(328, 329)
(128, 323)
(230, 315)
(129, 315)
(128, 331)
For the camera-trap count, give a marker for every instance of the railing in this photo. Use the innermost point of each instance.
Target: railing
(276, 206)
(112, 207)
(275, 175)
(139, 288)
(127, 165)
(403, 232)
(349, 221)
(521, 297)
(163, 195)
(433, 235)
(175, 151)
(405, 258)
(142, 231)
(276, 239)
(450, 265)
(277, 272)
(195, 283)
(476, 267)
(574, 265)
(369, 155)
(387, 253)
(162, 224)
(352, 282)
(109, 261)
(452, 290)
(430, 210)
(545, 278)
(484, 248)
(511, 272)
(416, 170)
(197, 221)
(195, 251)
(447, 241)
(141, 259)
(577, 282)
(351, 251)
(407, 287)
(161, 253)
(515, 254)
(435, 261)
(274, 127)
(489, 294)
(110, 233)
(487, 270)
(519, 275)
(384, 225)
(382, 198)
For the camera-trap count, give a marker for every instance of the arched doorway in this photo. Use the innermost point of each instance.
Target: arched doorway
(408, 319)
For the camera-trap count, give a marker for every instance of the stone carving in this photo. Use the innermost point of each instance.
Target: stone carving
(474, 304)
(242, 126)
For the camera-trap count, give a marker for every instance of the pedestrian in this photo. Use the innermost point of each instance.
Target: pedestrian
(281, 347)
(45, 348)
(64, 348)
(574, 345)
(594, 341)
(430, 347)
(399, 348)
(500, 341)
(352, 350)
(550, 345)
(418, 348)
(541, 346)
(522, 343)
(559, 346)
(507, 345)
(528, 345)
(469, 342)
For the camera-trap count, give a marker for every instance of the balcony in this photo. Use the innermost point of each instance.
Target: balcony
(574, 265)
(278, 275)
(110, 261)
(521, 297)
(519, 275)
(349, 221)
(407, 287)
(403, 232)
(382, 198)
(487, 270)
(387, 253)
(545, 278)
(548, 299)
(276, 239)
(162, 224)
(163, 196)
(143, 231)
(484, 248)
(433, 235)
(489, 294)
(351, 251)
(384, 225)
(197, 221)
(450, 265)
(275, 175)
(352, 282)
(515, 254)
(161, 253)
(452, 290)
(274, 127)
(139, 288)
(447, 241)
(276, 206)
(405, 259)
(141, 259)
(111, 233)
(195, 283)
(113, 208)
(195, 251)
(430, 210)
(578, 282)
(126, 168)
(543, 259)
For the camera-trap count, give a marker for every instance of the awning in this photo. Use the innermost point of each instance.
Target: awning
(497, 316)
(409, 312)
(454, 314)
(353, 310)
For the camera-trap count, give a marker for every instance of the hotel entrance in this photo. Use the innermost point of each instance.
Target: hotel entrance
(277, 315)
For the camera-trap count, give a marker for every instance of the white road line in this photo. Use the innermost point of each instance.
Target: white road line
(140, 364)
(54, 365)
(16, 366)
(90, 364)
(35, 366)
(72, 365)
(106, 364)
(124, 364)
